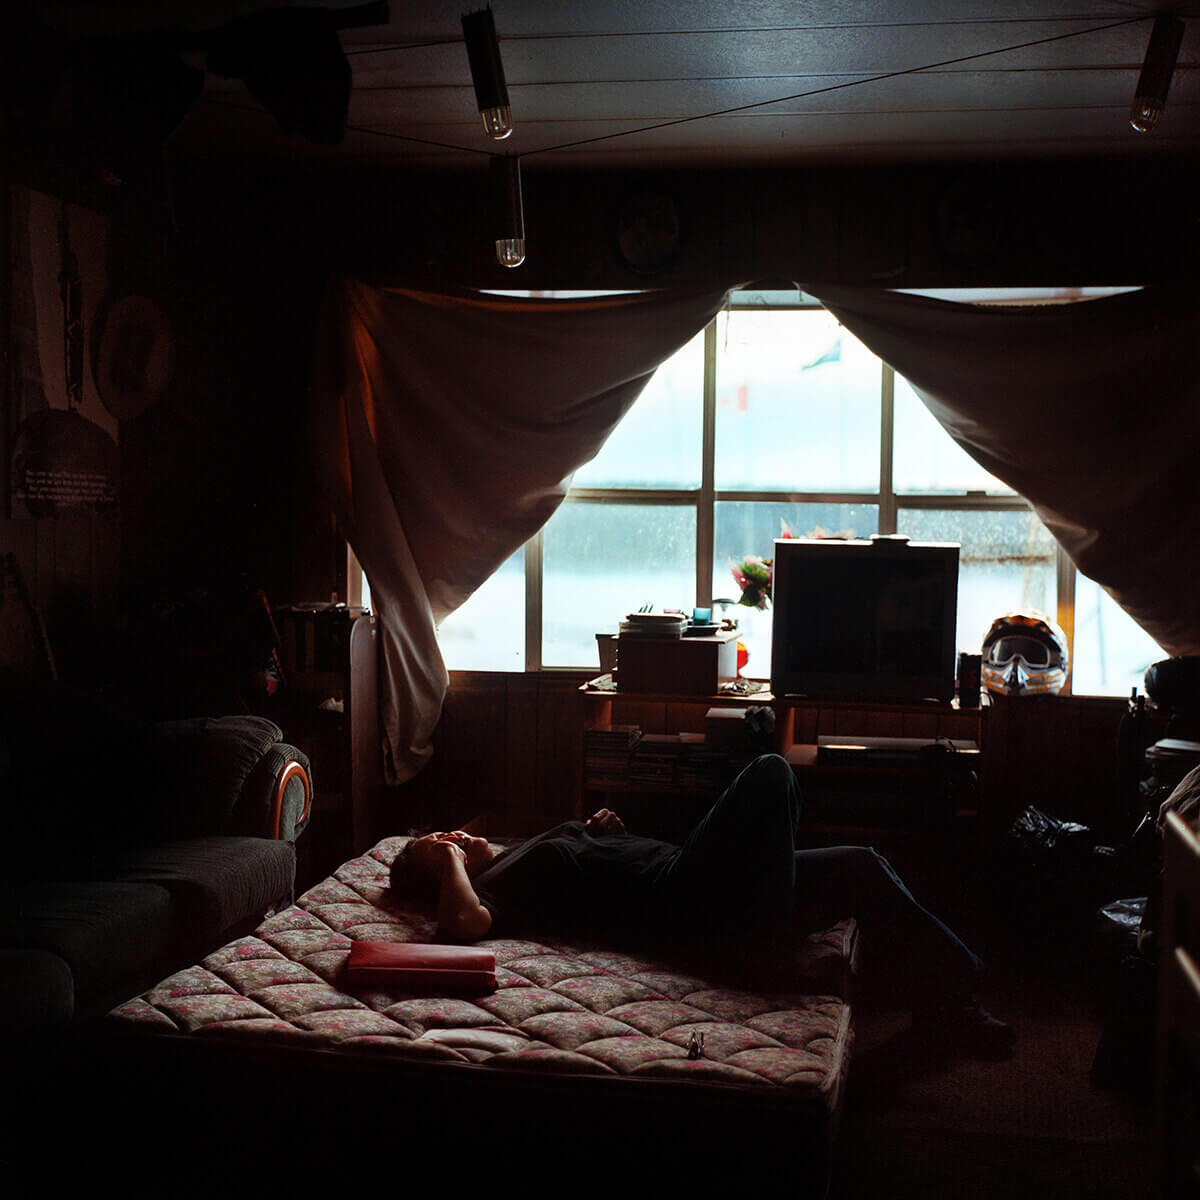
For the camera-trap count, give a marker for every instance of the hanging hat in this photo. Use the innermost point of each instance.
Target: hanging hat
(133, 363)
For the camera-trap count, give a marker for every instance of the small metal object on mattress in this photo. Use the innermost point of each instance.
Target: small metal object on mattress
(696, 1045)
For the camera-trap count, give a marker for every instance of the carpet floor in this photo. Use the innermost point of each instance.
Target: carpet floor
(1053, 1121)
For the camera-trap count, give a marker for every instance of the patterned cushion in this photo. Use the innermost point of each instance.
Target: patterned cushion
(560, 1007)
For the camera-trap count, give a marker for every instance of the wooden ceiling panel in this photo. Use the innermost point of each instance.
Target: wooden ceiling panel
(615, 83)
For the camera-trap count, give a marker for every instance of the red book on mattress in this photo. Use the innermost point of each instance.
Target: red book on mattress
(419, 966)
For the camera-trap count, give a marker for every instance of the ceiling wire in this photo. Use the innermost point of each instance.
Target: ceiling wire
(562, 35)
(396, 46)
(833, 87)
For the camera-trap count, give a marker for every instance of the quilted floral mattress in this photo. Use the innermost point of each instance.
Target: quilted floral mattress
(560, 1009)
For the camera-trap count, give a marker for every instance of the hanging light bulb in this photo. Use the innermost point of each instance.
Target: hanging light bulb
(487, 73)
(507, 212)
(1151, 96)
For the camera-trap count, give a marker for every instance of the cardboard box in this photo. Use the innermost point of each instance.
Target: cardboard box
(690, 666)
(726, 727)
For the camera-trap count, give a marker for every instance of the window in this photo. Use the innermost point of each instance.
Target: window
(776, 417)
(488, 631)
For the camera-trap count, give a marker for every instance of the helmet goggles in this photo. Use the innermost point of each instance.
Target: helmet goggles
(1032, 650)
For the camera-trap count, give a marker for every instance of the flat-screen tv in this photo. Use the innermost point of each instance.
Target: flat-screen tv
(864, 620)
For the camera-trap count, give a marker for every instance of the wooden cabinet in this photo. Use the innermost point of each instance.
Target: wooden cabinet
(668, 804)
(926, 793)
(1178, 1035)
(933, 794)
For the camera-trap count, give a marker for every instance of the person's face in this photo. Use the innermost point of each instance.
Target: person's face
(478, 851)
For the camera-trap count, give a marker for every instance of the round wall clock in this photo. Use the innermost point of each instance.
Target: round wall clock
(974, 219)
(648, 233)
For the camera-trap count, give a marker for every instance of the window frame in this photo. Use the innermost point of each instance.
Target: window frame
(705, 498)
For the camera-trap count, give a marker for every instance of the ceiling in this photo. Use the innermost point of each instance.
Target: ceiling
(620, 84)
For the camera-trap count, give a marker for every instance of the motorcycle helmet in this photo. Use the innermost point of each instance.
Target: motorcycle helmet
(1025, 654)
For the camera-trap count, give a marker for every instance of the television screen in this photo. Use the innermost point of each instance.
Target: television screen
(860, 620)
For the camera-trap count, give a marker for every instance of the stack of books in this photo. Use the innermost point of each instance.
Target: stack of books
(655, 759)
(607, 751)
(706, 768)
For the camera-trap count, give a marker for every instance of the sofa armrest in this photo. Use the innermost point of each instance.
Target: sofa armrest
(233, 775)
(276, 800)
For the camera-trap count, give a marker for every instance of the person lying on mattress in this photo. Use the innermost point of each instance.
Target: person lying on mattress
(729, 896)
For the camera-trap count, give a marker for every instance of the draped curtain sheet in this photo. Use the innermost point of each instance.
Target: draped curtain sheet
(1088, 410)
(447, 428)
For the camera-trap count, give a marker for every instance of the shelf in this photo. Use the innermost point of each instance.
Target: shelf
(601, 688)
(647, 788)
(905, 706)
(806, 757)
(895, 795)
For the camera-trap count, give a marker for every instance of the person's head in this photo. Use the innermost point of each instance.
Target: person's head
(416, 870)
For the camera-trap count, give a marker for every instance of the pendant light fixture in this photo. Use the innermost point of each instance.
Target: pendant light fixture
(487, 73)
(507, 212)
(1151, 96)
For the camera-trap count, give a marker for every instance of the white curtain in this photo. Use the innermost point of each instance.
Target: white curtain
(1088, 410)
(447, 429)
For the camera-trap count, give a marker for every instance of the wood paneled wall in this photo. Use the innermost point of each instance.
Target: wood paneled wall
(507, 749)
(1074, 757)
(69, 567)
(505, 752)
(870, 226)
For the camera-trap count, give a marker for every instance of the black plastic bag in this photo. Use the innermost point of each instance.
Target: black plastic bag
(1047, 843)
(1058, 871)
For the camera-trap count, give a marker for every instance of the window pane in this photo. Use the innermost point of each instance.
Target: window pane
(742, 528)
(1112, 651)
(925, 458)
(601, 561)
(657, 443)
(771, 298)
(1007, 562)
(985, 295)
(488, 632)
(797, 404)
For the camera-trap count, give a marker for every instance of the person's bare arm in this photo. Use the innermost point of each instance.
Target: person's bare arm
(461, 917)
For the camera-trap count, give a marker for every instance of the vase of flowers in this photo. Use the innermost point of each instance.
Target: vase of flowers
(753, 575)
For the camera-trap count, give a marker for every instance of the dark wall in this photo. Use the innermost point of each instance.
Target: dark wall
(509, 751)
(218, 489)
(1017, 223)
(218, 473)
(506, 754)
(218, 492)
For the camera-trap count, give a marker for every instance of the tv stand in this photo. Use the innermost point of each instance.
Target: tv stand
(846, 802)
(800, 719)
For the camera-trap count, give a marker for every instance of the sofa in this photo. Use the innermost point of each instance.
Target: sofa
(130, 846)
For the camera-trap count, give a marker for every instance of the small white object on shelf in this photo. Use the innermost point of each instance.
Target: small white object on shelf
(659, 625)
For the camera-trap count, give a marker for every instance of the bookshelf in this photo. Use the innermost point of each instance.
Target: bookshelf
(668, 771)
(329, 708)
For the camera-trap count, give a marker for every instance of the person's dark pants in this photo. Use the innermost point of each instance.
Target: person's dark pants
(733, 892)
